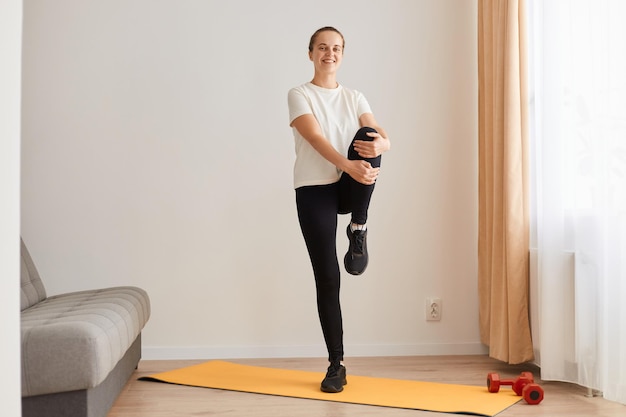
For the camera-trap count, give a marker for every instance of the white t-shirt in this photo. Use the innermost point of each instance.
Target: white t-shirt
(337, 111)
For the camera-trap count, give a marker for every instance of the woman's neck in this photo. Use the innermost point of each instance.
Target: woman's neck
(325, 81)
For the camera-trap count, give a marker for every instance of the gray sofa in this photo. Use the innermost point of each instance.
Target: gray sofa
(78, 349)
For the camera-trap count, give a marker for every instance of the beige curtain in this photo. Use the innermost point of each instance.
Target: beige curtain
(503, 271)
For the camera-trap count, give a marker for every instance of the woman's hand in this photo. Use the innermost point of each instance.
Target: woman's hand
(362, 171)
(373, 148)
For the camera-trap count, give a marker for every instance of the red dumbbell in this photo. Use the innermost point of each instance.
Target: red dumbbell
(524, 385)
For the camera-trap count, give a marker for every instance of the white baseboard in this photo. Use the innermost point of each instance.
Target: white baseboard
(313, 351)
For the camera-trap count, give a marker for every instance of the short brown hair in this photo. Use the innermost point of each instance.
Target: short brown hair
(324, 29)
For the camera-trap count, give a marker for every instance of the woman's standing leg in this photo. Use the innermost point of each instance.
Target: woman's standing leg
(355, 198)
(317, 213)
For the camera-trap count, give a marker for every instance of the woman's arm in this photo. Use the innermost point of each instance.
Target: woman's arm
(381, 142)
(309, 128)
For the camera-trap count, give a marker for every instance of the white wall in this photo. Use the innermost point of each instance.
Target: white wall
(157, 153)
(10, 62)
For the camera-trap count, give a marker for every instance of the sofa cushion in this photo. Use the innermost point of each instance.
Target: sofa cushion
(32, 289)
(72, 341)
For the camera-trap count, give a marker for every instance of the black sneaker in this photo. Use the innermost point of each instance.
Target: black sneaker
(356, 258)
(335, 378)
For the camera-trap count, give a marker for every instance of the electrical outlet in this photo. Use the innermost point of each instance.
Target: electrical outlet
(433, 309)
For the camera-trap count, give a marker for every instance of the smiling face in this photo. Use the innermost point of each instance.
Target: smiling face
(326, 51)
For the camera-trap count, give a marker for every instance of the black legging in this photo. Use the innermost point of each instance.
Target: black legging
(318, 207)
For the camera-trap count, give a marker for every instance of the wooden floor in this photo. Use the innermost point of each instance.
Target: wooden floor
(143, 399)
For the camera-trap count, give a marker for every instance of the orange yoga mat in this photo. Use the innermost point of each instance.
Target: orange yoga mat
(385, 392)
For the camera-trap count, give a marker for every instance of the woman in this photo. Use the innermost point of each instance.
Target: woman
(333, 174)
